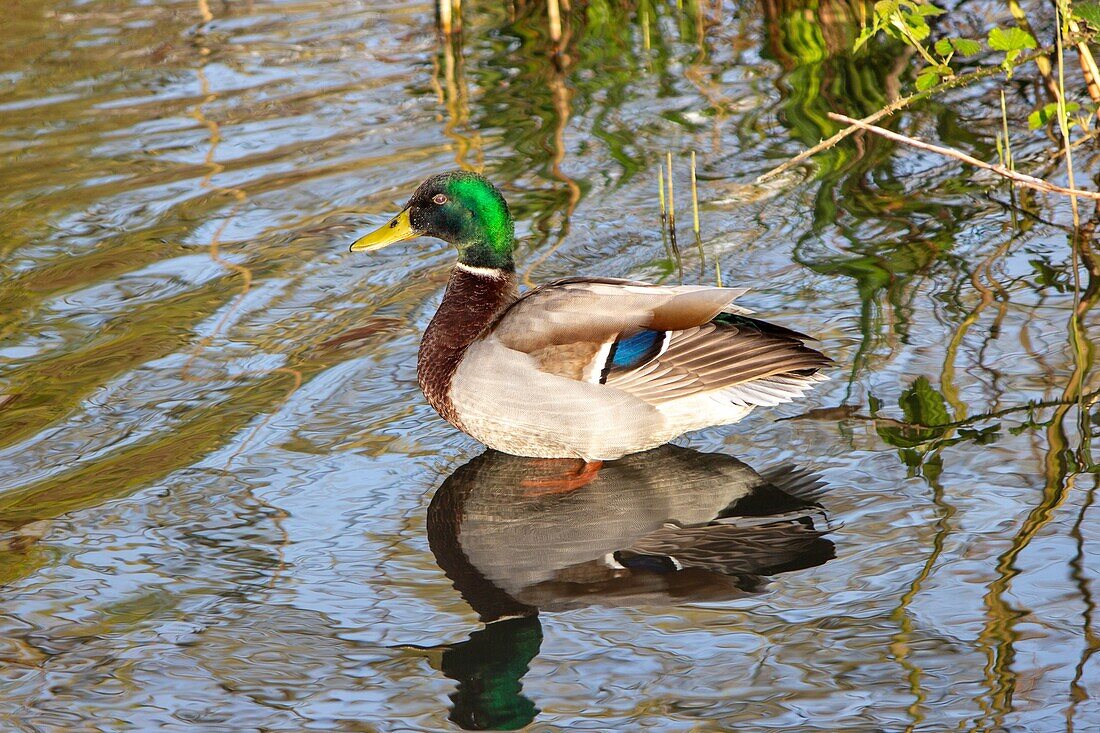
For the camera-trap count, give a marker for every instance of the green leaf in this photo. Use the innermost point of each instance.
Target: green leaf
(925, 410)
(1088, 12)
(923, 405)
(1011, 39)
(886, 8)
(932, 467)
(1043, 115)
(1040, 117)
(864, 36)
(917, 26)
(961, 46)
(928, 9)
(927, 79)
(966, 46)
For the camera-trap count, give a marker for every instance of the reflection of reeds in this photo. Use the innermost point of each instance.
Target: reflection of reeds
(454, 97)
(214, 168)
(901, 643)
(1061, 468)
(562, 111)
(1004, 142)
(1078, 693)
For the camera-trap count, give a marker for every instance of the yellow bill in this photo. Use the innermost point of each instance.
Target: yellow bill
(398, 229)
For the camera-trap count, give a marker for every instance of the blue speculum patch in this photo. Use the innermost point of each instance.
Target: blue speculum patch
(636, 349)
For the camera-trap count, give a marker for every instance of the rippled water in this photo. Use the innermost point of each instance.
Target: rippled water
(216, 501)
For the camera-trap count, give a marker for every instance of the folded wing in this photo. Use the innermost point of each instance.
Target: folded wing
(660, 343)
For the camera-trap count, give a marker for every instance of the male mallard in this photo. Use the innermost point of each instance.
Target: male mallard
(584, 367)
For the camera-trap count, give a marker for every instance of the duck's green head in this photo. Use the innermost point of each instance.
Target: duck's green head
(459, 207)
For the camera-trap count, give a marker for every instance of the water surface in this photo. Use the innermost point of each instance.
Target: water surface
(216, 502)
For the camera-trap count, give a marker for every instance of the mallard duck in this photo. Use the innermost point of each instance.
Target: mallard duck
(670, 526)
(586, 367)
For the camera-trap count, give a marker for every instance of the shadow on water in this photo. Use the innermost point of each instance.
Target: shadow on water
(668, 527)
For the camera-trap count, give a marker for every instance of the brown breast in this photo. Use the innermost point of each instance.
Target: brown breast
(471, 304)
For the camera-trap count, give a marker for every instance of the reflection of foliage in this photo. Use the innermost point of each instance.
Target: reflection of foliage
(823, 74)
(928, 427)
(1047, 275)
(814, 42)
(925, 412)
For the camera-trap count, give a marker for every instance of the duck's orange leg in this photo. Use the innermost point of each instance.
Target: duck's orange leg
(562, 482)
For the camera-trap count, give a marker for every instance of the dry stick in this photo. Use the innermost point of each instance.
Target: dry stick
(889, 110)
(671, 199)
(1020, 178)
(1089, 68)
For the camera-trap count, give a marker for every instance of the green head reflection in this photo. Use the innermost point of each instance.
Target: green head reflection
(489, 667)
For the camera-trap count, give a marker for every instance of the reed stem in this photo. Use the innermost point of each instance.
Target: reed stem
(554, 11)
(445, 16)
(671, 198)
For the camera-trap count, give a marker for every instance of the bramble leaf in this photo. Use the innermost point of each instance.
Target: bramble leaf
(1040, 117)
(927, 79)
(1011, 39)
(966, 46)
(928, 9)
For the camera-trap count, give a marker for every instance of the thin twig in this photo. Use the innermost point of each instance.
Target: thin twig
(1021, 179)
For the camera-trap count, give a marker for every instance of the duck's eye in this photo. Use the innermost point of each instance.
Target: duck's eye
(439, 199)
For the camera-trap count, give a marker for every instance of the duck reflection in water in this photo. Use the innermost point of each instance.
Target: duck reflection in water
(665, 527)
